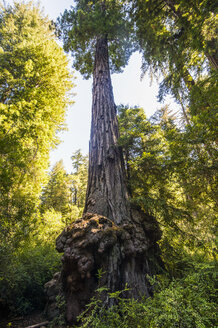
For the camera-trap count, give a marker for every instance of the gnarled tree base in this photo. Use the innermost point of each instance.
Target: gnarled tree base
(125, 254)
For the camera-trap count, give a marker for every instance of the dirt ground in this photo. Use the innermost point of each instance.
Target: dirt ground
(22, 321)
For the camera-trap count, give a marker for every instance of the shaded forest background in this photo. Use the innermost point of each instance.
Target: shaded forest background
(170, 161)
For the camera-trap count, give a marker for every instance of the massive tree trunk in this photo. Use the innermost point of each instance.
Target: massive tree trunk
(106, 192)
(111, 236)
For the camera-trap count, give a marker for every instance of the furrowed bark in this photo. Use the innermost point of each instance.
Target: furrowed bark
(111, 237)
(106, 192)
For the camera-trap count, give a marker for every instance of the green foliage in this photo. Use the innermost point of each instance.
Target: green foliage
(59, 321)
(175, 41)
(80, 27)
(80, 179)
(57, 194)
(49, 226)
(188, 303)
(172, 177)
(34, 87)
(170, 164)
(26, 268)
(24, 275)
(34, 93)
(176, 177)
(28, 264)
(172, 35)
(65, 193)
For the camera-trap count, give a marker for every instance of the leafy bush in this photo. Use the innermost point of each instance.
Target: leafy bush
(22, 282)
(186, 303)
(28, 265)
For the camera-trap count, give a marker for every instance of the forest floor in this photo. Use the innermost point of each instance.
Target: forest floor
(22, 321)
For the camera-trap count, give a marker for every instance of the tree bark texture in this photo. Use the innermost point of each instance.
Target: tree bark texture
(111, 236)
(106, 192)
(125, 254)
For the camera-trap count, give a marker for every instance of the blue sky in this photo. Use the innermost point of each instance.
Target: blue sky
(128, 89)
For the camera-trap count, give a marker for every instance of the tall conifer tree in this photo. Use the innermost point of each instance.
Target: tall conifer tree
(98, 34)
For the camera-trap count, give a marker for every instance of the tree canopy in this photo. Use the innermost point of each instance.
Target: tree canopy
(169, 164)
(35, 85)
(34, 93)
(80, 27)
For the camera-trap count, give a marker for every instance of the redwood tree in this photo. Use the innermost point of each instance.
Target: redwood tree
(112, 236)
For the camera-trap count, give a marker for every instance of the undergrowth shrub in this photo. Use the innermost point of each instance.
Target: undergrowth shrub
(189, 302)
(22, 281)
(26, 265)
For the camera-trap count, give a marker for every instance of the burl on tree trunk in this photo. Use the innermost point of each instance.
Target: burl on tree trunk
(111, 236)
